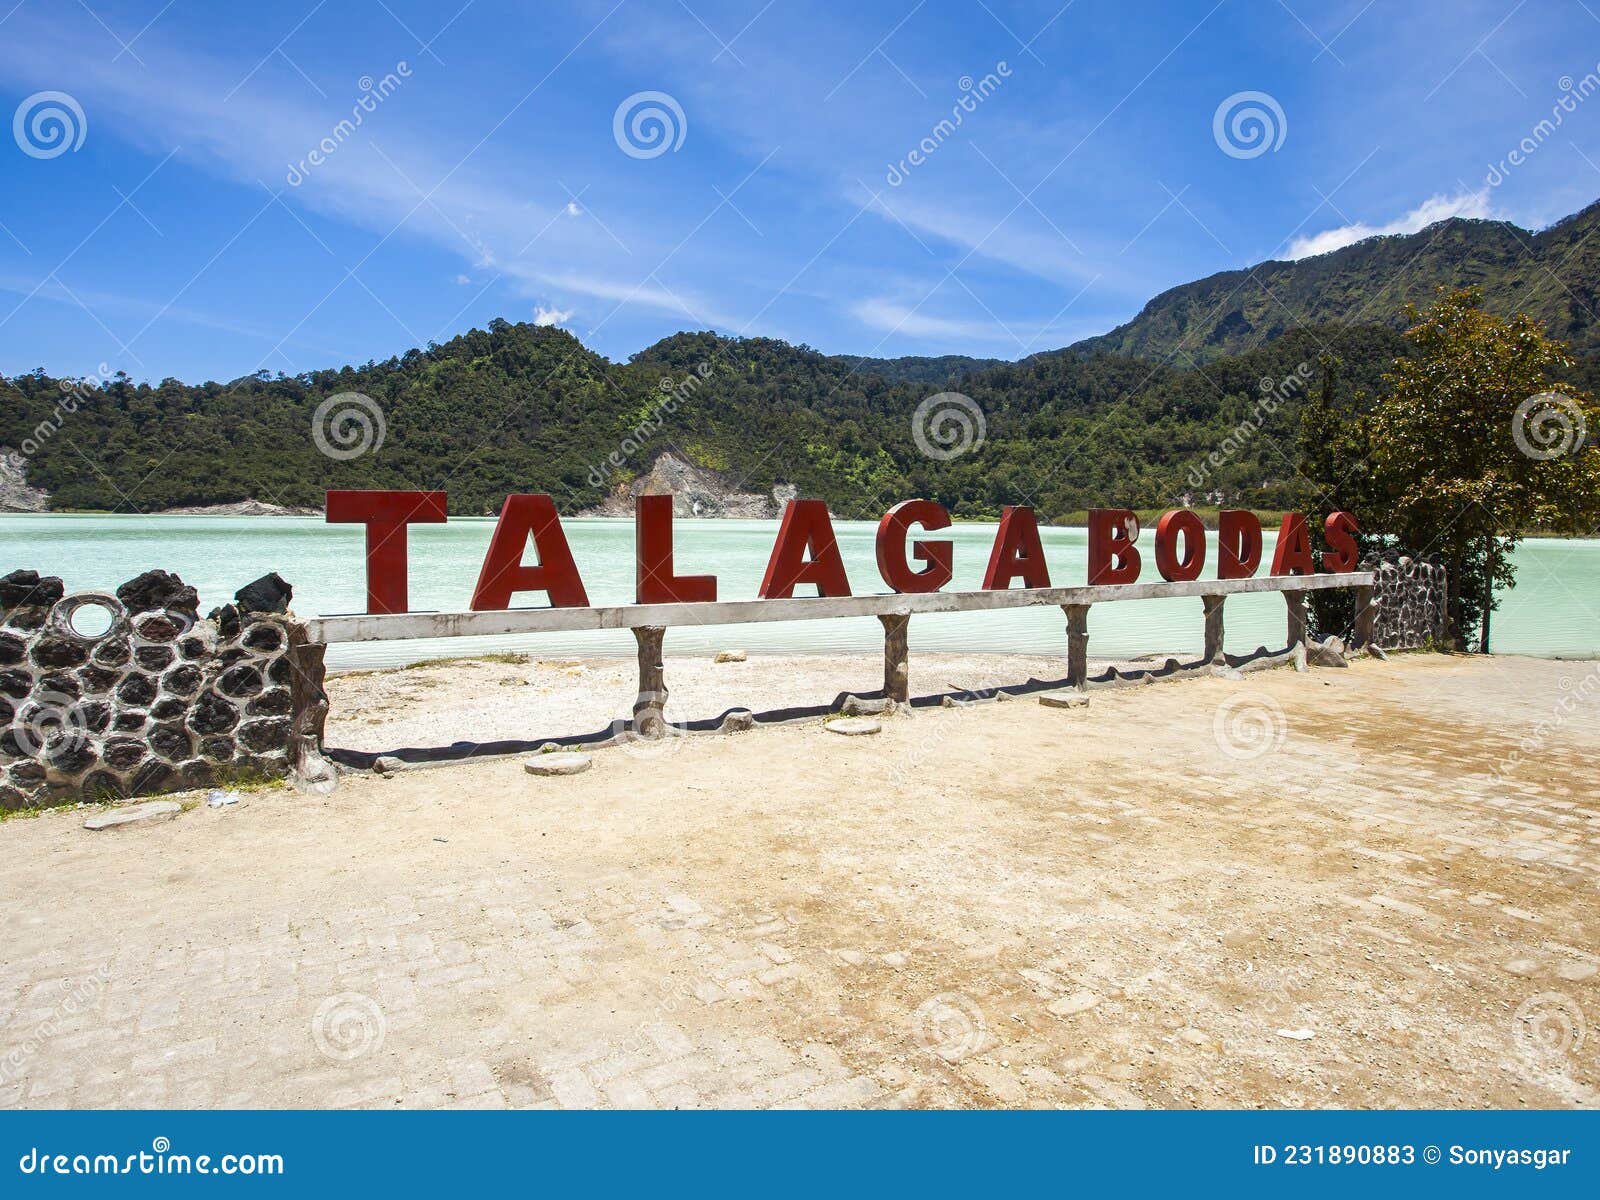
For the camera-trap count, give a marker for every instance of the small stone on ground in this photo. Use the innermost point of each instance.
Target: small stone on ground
(854, 726)
(1064, 700)
(565, 763)
(1076, 1003)
(135, 814)
(730, 656)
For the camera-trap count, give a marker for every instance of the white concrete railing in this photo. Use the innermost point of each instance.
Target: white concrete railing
(375, 627)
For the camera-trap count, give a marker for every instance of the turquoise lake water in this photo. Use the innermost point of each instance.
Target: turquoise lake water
(1554, 610)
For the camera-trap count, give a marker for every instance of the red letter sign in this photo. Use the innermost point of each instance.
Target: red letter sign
(503, 572)
(1238, 543)
(1113, 558)
(1293, 554)
(805, 526)
(652, 542)
(1185, 522)
(892, 531)
(1017, 552)
(1339, 532)
(386, 515)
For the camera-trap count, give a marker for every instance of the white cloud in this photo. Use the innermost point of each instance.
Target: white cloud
(902, 319)
(897, 319)
(551, 316)
(1045, 251)
(1430, 211)
(388, 178)
(657, 295)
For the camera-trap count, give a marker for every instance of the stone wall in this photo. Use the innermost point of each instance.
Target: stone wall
(1413, 602)
(163, 699)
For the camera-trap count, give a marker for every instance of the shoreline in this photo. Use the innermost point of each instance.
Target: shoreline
(1147, 518)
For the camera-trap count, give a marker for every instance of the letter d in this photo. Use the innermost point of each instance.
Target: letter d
(29, 1162)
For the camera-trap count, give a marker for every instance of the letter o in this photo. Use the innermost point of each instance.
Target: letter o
(1184, 523)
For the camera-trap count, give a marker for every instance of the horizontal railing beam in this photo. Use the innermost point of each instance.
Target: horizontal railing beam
(394, 626)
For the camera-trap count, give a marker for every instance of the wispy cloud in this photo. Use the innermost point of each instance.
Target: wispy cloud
(1430, 211)
(551, 316)
(896, 318)
(389, 177)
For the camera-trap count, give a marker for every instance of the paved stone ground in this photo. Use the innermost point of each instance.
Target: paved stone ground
(1133, 904)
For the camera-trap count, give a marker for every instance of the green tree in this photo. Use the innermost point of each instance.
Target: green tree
(1475, 445)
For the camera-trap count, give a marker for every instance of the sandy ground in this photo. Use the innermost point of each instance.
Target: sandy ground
(518, 697)
(1363, 887)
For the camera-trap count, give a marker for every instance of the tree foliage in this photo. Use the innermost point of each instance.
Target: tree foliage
(1474, 443)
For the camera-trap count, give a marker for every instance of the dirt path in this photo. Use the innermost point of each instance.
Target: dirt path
(1137, 903)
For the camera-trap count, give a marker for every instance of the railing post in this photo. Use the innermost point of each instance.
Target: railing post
(1077, 645)
(896, 665)
(649, 710)
(1366, 616)
(308, 713)
(1213, 606)
(1295, 602)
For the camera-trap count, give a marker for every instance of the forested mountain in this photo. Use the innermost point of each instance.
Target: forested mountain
(1130, 418)
(1553, 275)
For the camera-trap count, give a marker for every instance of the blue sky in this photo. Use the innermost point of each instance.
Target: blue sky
(188, 234)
